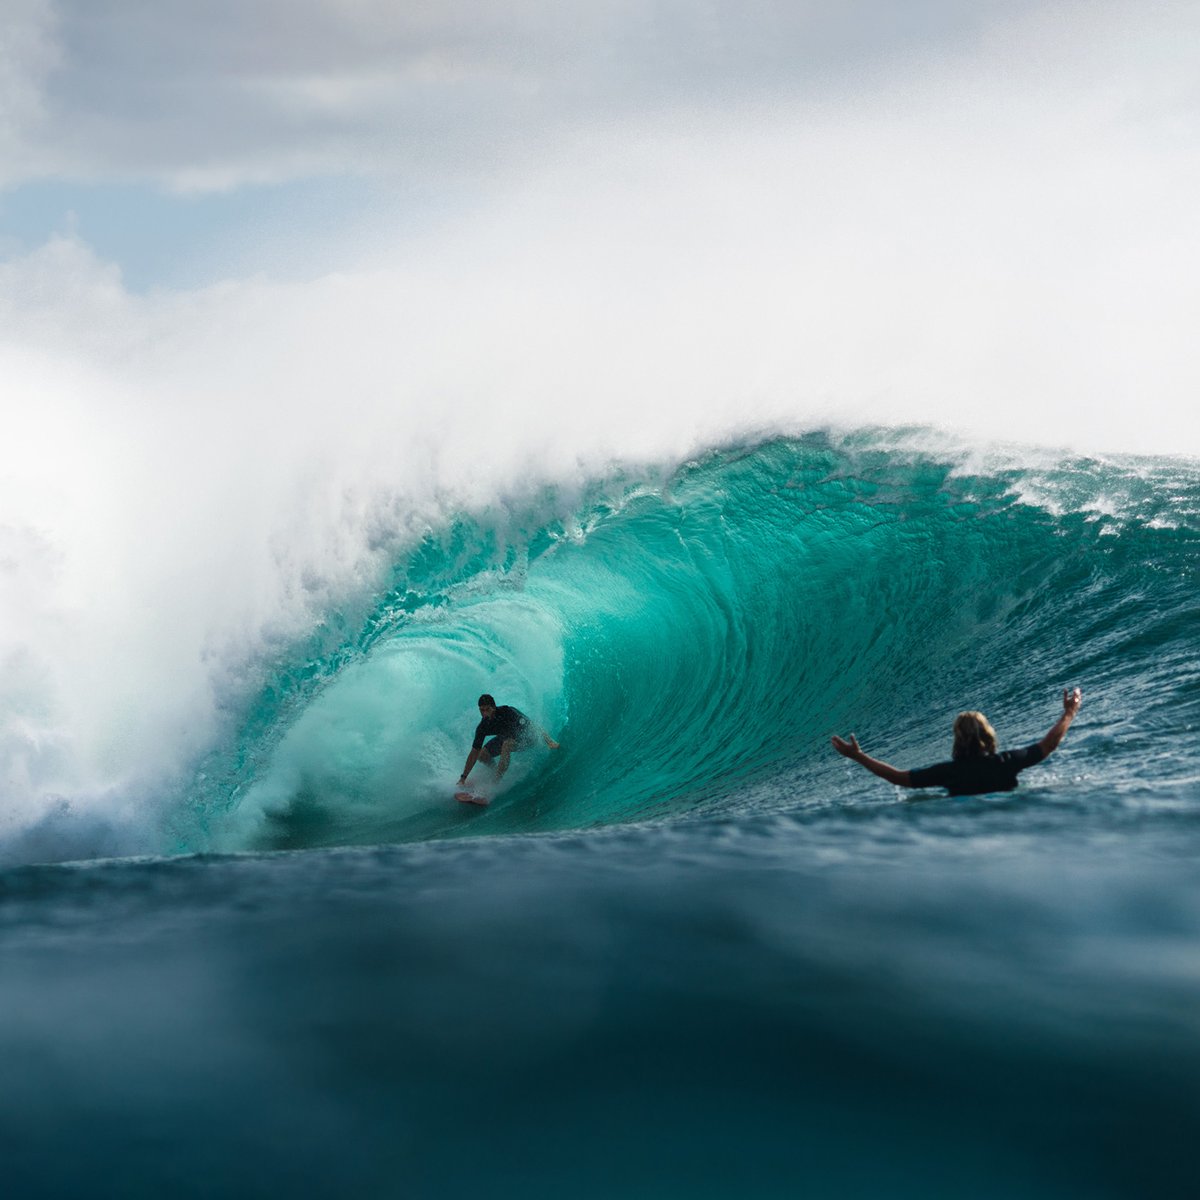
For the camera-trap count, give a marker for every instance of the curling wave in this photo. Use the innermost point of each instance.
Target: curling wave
(693, 637)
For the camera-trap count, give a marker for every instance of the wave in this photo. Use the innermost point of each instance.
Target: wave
(693, 635)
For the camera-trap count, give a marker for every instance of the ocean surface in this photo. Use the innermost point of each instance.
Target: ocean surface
(693, 952)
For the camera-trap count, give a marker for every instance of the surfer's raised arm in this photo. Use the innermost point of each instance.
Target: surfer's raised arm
(975, 766)
(852, 750)
(1072, 699)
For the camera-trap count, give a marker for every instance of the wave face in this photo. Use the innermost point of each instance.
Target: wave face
(693, 636)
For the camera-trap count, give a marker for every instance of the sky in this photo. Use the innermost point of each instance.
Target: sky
(179, 140)
(182, 141)
(285, 282)
(948, 195)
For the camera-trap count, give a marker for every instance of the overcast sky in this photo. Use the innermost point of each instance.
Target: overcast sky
(1029, 162)
(1008, 186)
(147, 129)
(226, 92)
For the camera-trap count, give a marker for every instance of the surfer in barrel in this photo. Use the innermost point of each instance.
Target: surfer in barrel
(508, 728)
(974, 766)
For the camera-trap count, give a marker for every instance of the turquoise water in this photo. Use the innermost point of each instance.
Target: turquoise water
(688, 637)
(692, 952)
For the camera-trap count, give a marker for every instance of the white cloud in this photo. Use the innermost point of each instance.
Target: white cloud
(28, 52)
(233, 91)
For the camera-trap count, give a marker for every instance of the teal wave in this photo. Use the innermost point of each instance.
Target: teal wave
(693, 636)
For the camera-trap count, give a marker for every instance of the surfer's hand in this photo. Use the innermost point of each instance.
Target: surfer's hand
(1071, 701)
(849, 748)
(552, 743)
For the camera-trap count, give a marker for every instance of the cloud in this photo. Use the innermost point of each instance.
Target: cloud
(231, 92)
(28, 53)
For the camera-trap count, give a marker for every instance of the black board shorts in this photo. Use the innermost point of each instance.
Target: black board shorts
(521, 742)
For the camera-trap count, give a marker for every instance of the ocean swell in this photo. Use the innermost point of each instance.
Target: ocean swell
(692, 636)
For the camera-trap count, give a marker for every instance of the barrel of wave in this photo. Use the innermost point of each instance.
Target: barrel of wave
(372, 757)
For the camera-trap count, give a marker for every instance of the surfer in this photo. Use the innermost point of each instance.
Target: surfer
(974, 766)
(509, 730)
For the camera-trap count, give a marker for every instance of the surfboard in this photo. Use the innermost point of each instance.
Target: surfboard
(471, 798)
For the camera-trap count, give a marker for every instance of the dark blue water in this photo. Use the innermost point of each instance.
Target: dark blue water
(693, 952)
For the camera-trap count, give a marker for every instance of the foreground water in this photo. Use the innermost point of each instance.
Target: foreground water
(989, 999)
(694, 953)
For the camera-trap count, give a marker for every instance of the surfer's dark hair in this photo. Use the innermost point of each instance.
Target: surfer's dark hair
(490, 701)
(973, 736)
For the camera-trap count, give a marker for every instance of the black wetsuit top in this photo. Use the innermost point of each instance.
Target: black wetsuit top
(973, 776)
(506, 722)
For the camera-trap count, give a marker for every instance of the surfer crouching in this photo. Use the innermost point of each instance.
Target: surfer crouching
(509, 730)
(974, 767)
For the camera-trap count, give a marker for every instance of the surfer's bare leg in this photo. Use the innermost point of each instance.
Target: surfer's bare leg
(505, 752)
